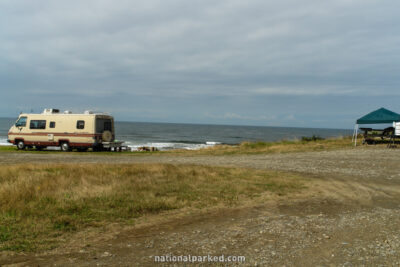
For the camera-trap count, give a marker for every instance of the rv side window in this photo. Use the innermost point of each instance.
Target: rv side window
(52, 124)
(37, 124)
(80, 124)
(21, 122)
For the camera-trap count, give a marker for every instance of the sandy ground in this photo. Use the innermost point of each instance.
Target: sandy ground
(350, 216)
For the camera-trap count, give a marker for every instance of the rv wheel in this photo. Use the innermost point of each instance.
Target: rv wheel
(20, 145)
(65, 147)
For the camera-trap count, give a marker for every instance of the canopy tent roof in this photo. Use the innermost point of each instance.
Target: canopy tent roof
(381, 115)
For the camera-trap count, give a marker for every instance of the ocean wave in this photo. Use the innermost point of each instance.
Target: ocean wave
(163, 146)
(185, 142)
(213, 143)
(3, 142)
(134, 146)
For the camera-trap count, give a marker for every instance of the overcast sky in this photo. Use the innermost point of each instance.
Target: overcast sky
(275, 63)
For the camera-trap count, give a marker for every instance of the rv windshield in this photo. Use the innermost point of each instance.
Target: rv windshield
(21, 122)
(103, 125)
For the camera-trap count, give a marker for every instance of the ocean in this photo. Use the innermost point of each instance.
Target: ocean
(166, 136)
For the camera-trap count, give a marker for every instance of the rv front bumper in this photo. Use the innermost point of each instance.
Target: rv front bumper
(9, 141)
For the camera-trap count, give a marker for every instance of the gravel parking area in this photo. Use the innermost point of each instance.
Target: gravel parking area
(364, 162)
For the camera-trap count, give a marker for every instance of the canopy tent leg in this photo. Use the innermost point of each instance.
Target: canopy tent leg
(355, 143)
(355, 134)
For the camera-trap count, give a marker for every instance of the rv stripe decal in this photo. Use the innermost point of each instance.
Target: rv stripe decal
(72, 144)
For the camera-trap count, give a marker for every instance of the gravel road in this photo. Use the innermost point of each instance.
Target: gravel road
(364, 162)
(353, 219)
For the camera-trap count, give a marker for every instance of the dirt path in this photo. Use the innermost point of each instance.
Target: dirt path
(350, 217)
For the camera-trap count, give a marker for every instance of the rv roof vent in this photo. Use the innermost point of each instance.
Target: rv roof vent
(51, 111)
(88, 112)
(68, 112)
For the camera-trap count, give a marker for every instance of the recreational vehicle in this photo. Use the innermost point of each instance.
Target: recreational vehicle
(66, 130)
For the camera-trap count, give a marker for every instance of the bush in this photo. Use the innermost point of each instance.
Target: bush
(312, 138)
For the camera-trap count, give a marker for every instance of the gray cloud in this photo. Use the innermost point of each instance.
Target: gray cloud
(183, 52)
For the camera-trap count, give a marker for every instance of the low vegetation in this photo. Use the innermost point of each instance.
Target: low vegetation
(40, 204)
(313, 143)
(312, 138)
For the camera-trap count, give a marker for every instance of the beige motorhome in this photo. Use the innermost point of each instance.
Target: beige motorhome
(66, 130)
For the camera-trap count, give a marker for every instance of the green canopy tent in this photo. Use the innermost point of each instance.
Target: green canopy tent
(378, 116)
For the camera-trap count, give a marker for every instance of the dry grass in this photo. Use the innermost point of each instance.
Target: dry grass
(41, 203)
(275, 147)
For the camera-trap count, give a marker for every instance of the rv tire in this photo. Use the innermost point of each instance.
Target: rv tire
(20, 145)
(65, 147)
